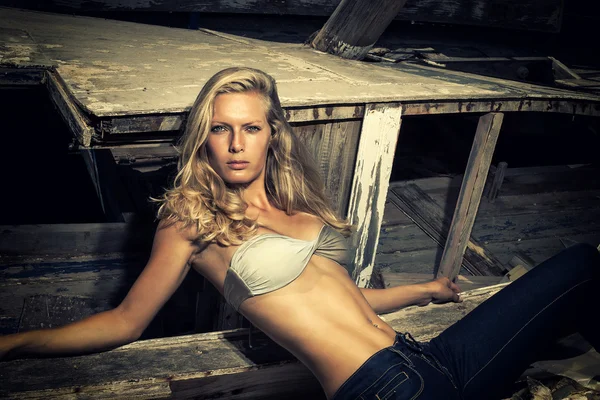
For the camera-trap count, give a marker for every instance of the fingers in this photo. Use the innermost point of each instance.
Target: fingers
(454, 287)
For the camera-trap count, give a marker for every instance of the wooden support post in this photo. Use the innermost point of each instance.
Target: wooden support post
(78, 122)
(471, 190)
(498, 179)
(376, 149)
(115, 201)
(430, 217)
(355, 26)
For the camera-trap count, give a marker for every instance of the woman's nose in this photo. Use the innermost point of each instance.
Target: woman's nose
(237, 143)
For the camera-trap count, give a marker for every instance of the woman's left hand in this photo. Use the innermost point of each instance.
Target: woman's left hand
(443, 290)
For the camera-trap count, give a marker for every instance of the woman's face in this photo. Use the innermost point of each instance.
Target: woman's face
(239, 137)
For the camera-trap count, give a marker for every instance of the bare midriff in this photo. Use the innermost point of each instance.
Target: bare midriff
(324, 320)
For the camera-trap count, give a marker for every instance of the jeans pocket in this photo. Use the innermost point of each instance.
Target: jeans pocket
(399, 382)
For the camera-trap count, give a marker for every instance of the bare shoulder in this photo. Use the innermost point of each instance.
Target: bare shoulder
(177, 228)
(174, 237)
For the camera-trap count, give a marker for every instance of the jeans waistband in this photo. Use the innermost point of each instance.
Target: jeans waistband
(405, 348)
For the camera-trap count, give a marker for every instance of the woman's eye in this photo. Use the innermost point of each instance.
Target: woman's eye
(253, 128)
(218, 128)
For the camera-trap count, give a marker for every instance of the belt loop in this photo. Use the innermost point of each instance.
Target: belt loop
(410, 341)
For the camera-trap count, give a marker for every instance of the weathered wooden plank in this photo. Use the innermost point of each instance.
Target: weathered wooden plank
(526, 69)
(212, 365)
(19, 50)
(77, 121)
(376, 148)
(543, 15)
(167, 122)
(115, 201)
(166, 126)
(505, 105)
(425, 325)
(500, 228)
(95, 285)
(336, 167)
(523, 181)
(75, 239)
(355, 26)
(471, 190)
(430, 217)
(465, 282)
(21, 76)
(538, 203)
(324, 113)
(102, 283)
(497, 182)
(166, 71)
(42, 311)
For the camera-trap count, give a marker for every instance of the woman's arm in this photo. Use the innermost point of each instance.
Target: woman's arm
(441, 290)
(164, 272)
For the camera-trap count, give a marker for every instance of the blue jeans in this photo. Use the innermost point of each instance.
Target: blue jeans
(483, 354)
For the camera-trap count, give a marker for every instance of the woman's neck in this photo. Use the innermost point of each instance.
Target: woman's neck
(256, 197)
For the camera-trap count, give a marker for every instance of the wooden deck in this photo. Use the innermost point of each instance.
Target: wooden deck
(536, 208)
(129, 78)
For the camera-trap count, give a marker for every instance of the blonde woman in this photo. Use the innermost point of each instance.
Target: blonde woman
(247, 211)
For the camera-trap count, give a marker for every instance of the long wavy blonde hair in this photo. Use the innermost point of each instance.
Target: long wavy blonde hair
(201, 199)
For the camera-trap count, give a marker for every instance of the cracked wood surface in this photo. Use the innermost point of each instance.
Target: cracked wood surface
(210, 365)
(123, 68)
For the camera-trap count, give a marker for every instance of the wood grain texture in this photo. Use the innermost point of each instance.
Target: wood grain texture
(212, 365)
(75, 239)
(543, 15)
(376, 149)
(425, 325)
(465, 282)
(476, 172)
(430, 217)
(18, 49)
(333, 147)
(355, 26)
(79, 124)
(517, 223)
(132, 70)
(21, 77)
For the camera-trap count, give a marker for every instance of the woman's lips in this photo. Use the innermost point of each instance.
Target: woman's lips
(238, 164)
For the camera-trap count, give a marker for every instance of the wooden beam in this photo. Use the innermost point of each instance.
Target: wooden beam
(497, 182)
(375, 156)
(75, 239)
(430, 217)
(78, 122)
(355, 26)
(573, 107)
(21, 76)
(121, 127)
(465, 282)
(471, 190)
(537, 15)
(115, 201)
(210, 365)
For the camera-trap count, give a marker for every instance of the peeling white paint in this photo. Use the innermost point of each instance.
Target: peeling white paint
(170, 124)
(374, 160)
